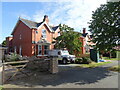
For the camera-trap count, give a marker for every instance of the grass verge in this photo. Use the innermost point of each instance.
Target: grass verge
(115, 68)
(93, 64)
(1, 87)
(107, 58)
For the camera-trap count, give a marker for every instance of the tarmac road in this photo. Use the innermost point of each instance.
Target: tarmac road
(71, 77)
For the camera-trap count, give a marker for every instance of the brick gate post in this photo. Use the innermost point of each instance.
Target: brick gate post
(54, 65)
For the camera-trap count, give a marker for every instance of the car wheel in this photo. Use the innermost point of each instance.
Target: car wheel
(72, 61)
(64, 61)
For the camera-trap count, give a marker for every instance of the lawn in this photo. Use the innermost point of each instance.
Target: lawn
(115, 68)
(107, 58)
(93, 64)
(1, 87)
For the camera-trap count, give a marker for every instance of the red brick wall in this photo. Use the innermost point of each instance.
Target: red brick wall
(26, 39)
(9, 43)
(83, 43)
(49, 36)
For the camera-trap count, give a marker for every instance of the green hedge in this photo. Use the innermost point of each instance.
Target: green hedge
(83, 60)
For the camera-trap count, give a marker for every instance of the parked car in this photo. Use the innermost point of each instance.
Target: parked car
(63, 55)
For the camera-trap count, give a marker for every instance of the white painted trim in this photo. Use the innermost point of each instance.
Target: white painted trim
(49, 27)
(57, 29)
(20, 50)
(41, 50)
(42, 55)
(47, 49)
(46, 25)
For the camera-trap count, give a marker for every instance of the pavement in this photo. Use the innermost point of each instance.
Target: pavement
(70, 77)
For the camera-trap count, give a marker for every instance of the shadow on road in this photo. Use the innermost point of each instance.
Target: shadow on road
(76, 75)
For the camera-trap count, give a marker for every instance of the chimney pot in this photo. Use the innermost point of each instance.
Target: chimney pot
(84, 30)
(46, 19)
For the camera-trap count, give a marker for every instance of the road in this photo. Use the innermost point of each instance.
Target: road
(71, 77)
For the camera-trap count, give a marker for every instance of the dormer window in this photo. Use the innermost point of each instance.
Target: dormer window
(43, 33)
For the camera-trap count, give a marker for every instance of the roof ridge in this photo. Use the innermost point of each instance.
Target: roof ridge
(29, 20)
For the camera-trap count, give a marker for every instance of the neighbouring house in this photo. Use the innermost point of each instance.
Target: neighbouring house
(2, 52)
(31, 38)
(87, 45)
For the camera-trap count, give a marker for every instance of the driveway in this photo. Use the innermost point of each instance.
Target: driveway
(69, 77)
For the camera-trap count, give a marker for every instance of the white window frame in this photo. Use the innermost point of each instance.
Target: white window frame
(46, 49)
(39, 49)
(15, 49)
(58, 34)
(44, 34)
(20, 50)
(20, 36)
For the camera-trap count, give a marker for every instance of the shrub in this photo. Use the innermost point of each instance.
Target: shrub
(78, 60)
(14, 57)
(83, 60)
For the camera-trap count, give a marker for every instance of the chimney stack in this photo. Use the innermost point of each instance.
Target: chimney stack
(46, 19)
(84, 30)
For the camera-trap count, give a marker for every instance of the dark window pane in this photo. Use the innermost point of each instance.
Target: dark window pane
(46, 47)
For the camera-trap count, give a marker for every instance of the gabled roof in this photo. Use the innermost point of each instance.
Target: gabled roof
(55, 28)
(32, 24)
(84, 34)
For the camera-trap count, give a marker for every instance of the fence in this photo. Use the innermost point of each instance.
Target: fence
(48, 64)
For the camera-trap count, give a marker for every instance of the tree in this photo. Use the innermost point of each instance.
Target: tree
(4, 43)
(105, 26)
(68, 39)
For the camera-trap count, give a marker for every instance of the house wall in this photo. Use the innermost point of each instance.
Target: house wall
(83, 44)
(37, 36)
(9, 43)
(25, 42)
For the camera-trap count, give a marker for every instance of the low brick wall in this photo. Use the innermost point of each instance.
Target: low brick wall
(39, 65)
(50, 64)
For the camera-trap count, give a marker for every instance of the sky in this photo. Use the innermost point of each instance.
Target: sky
(74, 13)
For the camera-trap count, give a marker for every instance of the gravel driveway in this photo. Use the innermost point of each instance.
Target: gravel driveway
(70, 77)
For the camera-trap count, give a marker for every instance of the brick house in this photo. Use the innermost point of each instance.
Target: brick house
(30, 38)
(87, 43)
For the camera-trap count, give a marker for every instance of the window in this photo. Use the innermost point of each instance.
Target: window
(43, 33)
(39, 49)
(36, 32)
(58, 33)
(15, 49)
(59, 53)
(20, 50)
(46, 48)
(20, 36)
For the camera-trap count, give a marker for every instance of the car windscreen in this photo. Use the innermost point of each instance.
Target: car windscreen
(65, 52)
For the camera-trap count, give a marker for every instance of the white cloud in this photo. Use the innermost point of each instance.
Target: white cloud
(25, 16)
(76, 13)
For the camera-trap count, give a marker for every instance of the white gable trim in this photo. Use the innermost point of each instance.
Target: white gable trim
(30, 26)
(57, 29)
(46, 25)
